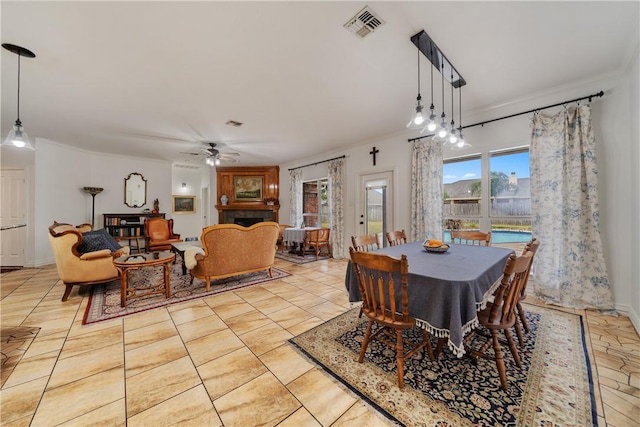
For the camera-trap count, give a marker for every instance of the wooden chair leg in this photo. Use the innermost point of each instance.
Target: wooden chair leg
(365, 342)
(67, 291)
(512, 347)
(502, 370)
(523, 317)
(400, 358)
(440, 346)
(427, 340)
(519, 333)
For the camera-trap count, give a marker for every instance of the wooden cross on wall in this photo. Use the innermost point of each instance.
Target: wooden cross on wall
(373, 153)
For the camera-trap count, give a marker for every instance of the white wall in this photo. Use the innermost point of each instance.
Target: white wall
(189, 225)
(60, 174)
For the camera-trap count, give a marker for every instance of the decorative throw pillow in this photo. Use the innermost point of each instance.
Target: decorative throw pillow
(97, 240)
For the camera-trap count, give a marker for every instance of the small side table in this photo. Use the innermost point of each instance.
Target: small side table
(133, 262)
(138, 248)
(180, 247)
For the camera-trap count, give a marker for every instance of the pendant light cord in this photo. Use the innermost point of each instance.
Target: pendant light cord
(18, 88)
(442, 74)
(431, 60)
(419, 96)
(452, 121)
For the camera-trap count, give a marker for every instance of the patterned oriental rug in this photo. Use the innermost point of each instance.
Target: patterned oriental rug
(553, 387)
(297, 259)
(104, 300)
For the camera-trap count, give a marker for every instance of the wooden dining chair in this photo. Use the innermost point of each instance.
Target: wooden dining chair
(366, 243)
(317, 239)
(396, 238)
(377, 275)
(532, 246)
(500, 314)
(465, 237)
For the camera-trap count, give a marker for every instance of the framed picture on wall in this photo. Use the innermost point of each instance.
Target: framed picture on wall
(183, 204)
(247, 188)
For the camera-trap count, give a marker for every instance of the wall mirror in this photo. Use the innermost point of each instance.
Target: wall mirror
(135, 190)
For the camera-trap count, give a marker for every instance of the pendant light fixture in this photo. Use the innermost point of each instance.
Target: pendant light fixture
(442, 131)
(17, 137)
(460, 144)
(452, 138)
(417, 119)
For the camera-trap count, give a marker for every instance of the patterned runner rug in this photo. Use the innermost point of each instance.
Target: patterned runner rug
(104, 300)
(300, 259)
(553, 387)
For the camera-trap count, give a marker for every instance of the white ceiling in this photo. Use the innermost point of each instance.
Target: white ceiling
(156, 79)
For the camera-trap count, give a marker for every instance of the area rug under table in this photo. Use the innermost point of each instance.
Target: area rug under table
(104, 300)
(553, 387)
(299, 259)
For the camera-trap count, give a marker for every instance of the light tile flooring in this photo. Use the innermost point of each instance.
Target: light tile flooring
(223, 360)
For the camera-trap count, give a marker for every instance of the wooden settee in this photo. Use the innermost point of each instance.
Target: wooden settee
(233, 250)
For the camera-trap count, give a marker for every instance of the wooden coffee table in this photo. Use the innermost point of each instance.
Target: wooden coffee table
(133, 262)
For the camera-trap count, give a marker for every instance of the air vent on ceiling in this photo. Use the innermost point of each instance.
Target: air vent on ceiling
(233, 123)
(177, 165)
(365, 22)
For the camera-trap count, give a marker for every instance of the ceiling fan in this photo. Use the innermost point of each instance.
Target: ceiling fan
(213, 155)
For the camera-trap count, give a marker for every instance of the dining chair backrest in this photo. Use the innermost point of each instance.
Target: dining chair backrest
(317, 239)
(532, 247)
(396, 238)
(466, 237)
(377, 274)
(513, 279)
(366, 243)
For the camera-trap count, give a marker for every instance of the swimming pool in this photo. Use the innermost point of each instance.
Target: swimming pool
(502, 236)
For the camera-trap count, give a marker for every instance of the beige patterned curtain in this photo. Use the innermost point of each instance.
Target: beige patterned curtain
(295, 194)
(426, 190)
(569, 268)
(336, 211)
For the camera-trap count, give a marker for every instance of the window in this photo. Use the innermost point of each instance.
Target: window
(461, 193)
(315, 203)
(510, 190)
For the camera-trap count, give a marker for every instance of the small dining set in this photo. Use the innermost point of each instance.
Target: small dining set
(455, 292)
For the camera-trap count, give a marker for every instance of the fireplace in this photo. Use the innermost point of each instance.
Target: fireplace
(247, 217)
(247, 222)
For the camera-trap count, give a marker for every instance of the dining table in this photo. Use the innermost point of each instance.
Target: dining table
(294, 236)
(446, 290)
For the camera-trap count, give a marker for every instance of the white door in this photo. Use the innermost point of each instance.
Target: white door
(13, 214)
(376, 204)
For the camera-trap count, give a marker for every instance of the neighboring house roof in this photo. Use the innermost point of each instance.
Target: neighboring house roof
(462, 189)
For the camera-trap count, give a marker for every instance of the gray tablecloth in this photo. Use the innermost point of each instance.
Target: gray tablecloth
(446, 289)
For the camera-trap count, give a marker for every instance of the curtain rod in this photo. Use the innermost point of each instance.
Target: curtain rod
(317, 163)
(589, 97)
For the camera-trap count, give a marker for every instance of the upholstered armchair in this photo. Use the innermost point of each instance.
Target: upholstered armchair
(159, 235)
(78, 260)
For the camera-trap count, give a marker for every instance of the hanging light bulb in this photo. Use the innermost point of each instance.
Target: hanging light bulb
(17, 137)
(417, 119)
(217, 162)
(460, 144)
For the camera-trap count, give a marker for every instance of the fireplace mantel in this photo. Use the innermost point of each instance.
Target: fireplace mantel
(240, 207)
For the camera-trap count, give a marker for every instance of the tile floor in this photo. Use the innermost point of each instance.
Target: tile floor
(223, 360)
